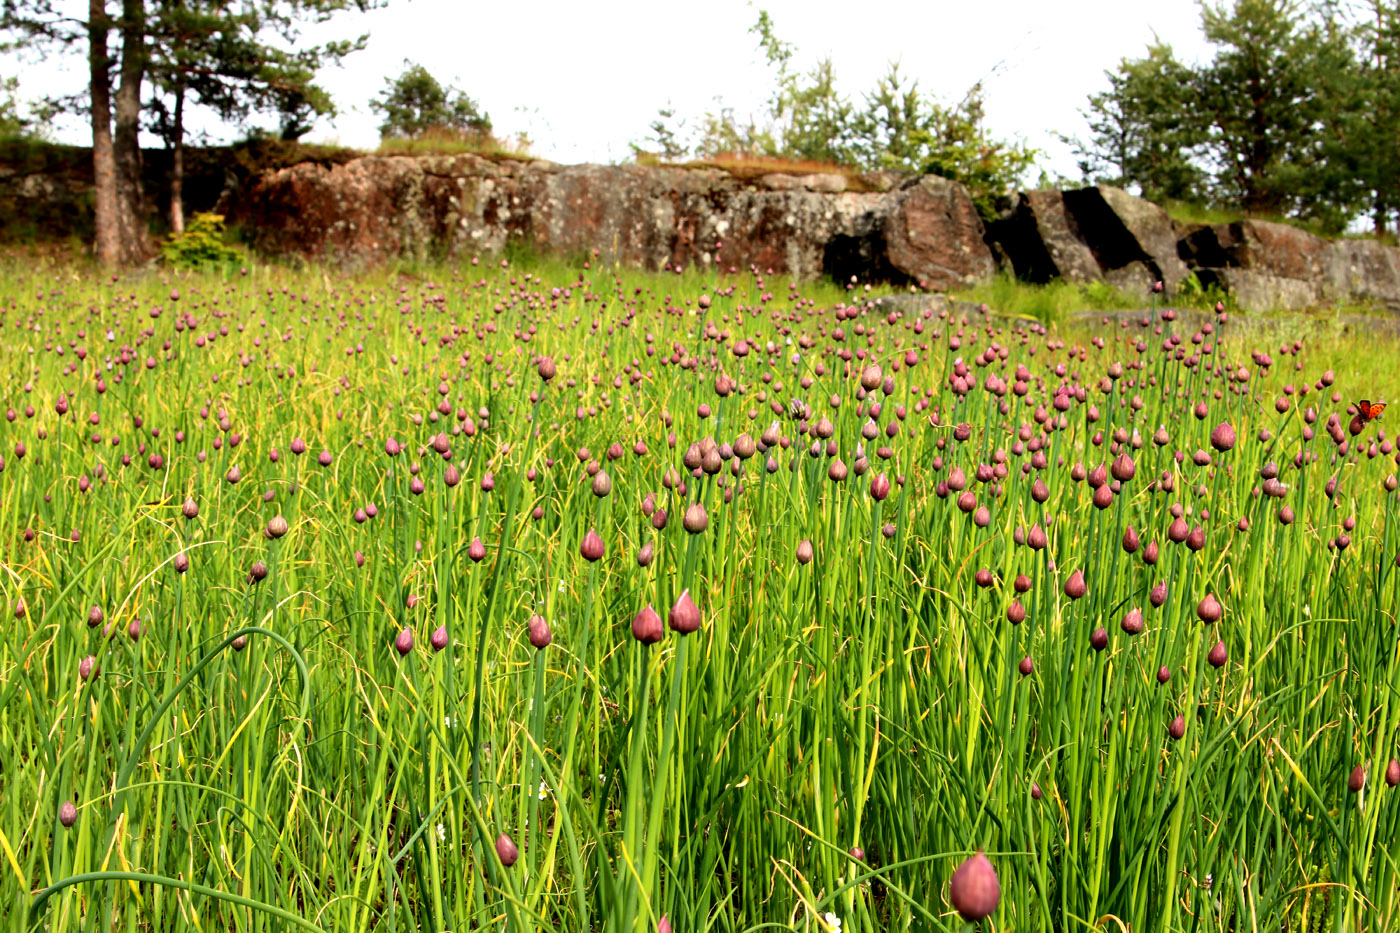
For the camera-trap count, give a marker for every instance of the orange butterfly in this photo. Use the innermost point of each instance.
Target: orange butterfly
(1369, 411)
(1366, 412)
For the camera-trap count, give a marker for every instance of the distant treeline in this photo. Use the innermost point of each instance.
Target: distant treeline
(1297, 116)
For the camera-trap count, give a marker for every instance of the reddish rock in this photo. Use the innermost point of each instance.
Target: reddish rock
(383, 207)
(1272, 267)
(933, 234)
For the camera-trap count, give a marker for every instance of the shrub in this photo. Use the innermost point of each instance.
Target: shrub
(202, 244)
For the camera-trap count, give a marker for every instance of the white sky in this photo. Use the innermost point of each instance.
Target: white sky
(584, 79)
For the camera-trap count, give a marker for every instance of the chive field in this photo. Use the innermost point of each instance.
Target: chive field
(559, 597)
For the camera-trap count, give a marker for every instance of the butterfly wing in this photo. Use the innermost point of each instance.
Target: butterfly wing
(1376, 410)
(1363, 408)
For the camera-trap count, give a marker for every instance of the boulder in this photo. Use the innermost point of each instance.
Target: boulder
(1271, 266)
(934, 236)
(383, 207)
(1040, 239)
(1089, 234)
(1263, 291)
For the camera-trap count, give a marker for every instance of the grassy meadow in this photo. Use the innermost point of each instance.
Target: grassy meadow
(535, 596)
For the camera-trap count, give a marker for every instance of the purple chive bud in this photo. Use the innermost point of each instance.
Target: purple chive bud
(685, 615)
(404, 643)
(1209, 610)
(646, 554)
(1218, 655)
(239, 643)
(1103, 497)
(1026, 666)
(974, 889)
(1016, 613)
(602, 484)
(540, 634)
(1022, 583)
(276, 527)
(664, 924)
(1392, 773)
(857, 853)
(477, 551)
(695, 520)
(592, 547)
(67, 814)
(1177, 728)
(87, 667)
(1178, 531)
(1164, 674)
(1149, 553)
(439, 638)
(181, 562)
(1132, 622)
(1223, 437)
(391, 447)
(647, 627)
(1075, 587)
(983, 578)
(547, 369)
(1098, 639)
(1357, 779)
(1035, 791)
(298, 446)
(190, 509)
(880, 488)
(1130, 540)
(1036, 538)
(805, 552)
(324, 458)
(506, 850)
(134, 629)
(1158, 595)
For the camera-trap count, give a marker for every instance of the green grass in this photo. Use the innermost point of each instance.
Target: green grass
(263, 756)
(438, 143)
(1048, 303)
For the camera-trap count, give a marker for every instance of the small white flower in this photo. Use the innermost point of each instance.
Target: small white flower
(442, 832)
(1307, 610)
(544, 790)
(602, 778)
(449, 721)
(561, 586)
(832, 921)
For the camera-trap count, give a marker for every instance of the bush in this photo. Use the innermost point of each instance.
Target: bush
(202, 244)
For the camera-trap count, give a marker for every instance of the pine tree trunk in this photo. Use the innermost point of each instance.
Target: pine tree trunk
(131, 206)
(104, 169)
(177, 164)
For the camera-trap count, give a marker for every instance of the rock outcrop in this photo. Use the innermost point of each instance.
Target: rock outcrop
(1270, 266)
(1089, 234)
(917, 229)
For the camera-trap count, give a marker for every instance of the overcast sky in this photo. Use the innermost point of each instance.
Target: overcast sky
(584, 79)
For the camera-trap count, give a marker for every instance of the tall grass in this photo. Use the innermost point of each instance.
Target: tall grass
(871, 557)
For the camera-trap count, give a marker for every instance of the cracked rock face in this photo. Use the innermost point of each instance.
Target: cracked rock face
(884, 226)
(1087, 235)
(1270, 266)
